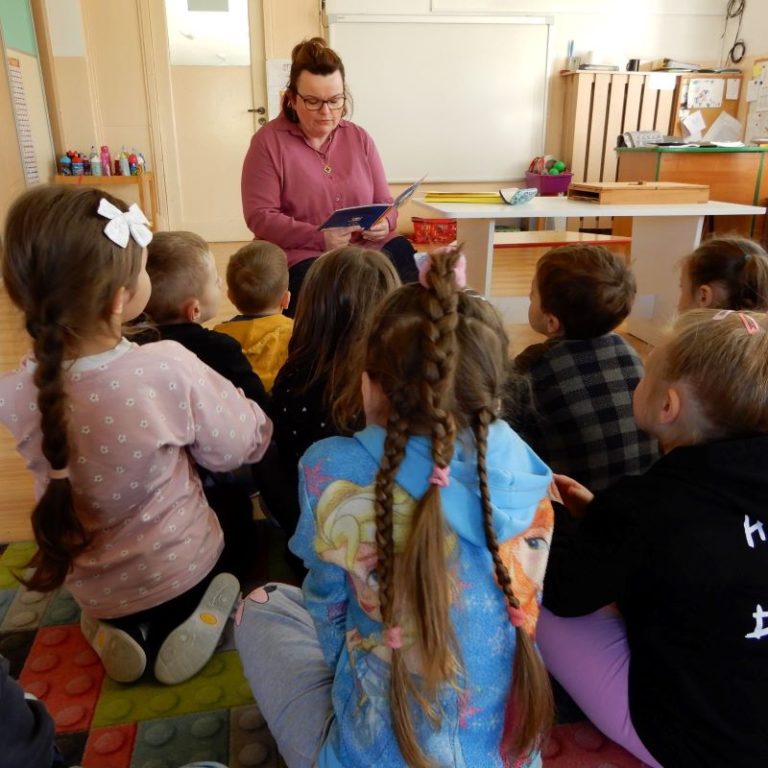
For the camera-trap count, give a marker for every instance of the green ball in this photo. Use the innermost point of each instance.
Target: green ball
(560, 165)
(553, 171)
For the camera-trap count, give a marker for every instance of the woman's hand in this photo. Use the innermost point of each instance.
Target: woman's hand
(575, 496)
(338, 237)
(377, 232)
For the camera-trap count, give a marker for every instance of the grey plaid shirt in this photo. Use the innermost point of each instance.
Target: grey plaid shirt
(582, 394)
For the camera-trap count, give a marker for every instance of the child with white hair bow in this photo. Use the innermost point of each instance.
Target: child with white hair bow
(110, 430)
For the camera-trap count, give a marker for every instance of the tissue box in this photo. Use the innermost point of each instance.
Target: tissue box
(549, 184)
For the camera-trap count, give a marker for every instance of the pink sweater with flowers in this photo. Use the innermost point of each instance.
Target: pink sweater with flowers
(138, 416)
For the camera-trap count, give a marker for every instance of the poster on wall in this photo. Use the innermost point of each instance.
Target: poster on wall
(705, 92)
(278, 72)
(23, 123)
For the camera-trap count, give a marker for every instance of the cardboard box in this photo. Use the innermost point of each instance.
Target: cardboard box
(638, 192)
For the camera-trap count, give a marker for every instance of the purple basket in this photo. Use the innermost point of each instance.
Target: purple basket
(549, 184)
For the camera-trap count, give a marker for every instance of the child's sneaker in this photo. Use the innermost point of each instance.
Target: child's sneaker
(189, 647)
(123, 658)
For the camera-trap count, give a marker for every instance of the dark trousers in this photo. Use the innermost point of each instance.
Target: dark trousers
(398, 249)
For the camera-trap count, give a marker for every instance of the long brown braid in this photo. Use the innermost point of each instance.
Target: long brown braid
(439, 356)
(63, 273)
(531, 690)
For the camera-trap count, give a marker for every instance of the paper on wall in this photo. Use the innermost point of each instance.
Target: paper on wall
(732, 88)
(694, 125)
(705, 92)
(753, 90)
(724, 128)
(278, 72)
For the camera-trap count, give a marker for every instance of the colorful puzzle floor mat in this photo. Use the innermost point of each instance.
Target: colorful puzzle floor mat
(103, 724)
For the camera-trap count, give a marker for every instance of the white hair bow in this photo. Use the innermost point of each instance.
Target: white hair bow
(123, 224)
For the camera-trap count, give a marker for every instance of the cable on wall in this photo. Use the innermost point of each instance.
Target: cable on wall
(735, 10)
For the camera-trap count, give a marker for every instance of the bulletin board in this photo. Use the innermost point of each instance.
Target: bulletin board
(707, 93)
(757, 114)
(459, 98)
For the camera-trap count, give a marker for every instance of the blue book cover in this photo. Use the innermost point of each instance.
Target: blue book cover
(365, 216)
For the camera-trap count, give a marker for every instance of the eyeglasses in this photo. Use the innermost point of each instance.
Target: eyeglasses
(315, 105)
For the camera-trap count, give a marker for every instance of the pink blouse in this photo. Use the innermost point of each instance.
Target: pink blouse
(287, 193)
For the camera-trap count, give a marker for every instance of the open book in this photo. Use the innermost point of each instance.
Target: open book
(366, 216)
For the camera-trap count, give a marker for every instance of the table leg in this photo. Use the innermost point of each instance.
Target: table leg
(658, 244)
(476, 235)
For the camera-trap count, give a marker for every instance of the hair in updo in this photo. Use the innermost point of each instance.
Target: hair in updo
(313, 56)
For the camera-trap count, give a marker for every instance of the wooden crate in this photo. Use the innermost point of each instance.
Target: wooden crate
(634, 192)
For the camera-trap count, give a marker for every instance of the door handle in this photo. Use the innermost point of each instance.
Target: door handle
(258, 110)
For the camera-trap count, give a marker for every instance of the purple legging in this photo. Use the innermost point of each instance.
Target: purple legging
(589, 657)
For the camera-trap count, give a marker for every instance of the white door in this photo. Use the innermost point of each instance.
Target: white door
(209, 71)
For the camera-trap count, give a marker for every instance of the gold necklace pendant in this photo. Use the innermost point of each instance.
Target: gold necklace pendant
(327, 168)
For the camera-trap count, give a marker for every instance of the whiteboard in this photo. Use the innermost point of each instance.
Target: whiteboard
(460, 98)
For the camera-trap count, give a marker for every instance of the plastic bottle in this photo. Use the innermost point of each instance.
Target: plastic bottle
(106, 161)
(77, 165)
(142, 162)
(133, 163)
(95, 162)
(65, 165)
(125, 169)
(86, 163)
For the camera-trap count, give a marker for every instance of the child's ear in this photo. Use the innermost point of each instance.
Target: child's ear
(286, 300)
(671, 406)
(118, 303)
(190, 310)
(703, 296)
(553, 325)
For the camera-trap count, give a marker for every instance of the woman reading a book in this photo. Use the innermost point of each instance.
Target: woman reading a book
(308, 162)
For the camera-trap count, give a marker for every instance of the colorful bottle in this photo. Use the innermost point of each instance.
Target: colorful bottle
(142, 163)
(65, 165)
(106, 161)
(133, 163)
(86, 163)
(95, 162)
(77, 165)
(125, 169)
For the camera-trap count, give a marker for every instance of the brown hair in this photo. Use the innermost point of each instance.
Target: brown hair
(440, 357)
(737, 264)
(339, 295)
(586, 287)
(313, 56)
(257, 277)
(700, 353)
(178, 269)
(63, 273)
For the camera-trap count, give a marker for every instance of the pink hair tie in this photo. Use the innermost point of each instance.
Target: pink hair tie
(441, 476)
(393, 637)
(58, 474)
(424, 263)
(516, 616)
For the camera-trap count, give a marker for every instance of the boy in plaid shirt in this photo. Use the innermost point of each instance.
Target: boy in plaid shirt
(582, 378)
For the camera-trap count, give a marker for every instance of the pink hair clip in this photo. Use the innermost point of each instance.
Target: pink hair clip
(750, 324)
(441, 476)
(516, 616)
(393, 637)
(424, 262)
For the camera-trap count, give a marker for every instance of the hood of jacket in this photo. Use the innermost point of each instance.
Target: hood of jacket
(518, 479)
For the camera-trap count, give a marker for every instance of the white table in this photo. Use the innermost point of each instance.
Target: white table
(661, 235)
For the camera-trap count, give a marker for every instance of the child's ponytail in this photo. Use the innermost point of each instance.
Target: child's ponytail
(531, 698)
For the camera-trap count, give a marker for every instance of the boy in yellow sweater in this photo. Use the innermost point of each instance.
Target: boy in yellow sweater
(257, 284)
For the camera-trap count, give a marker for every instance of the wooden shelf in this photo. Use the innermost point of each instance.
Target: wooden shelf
(144, 182)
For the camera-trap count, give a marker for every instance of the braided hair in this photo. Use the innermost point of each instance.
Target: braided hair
(439, 356)
(63, 273)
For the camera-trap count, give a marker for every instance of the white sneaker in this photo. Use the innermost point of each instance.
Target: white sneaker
(189, 647)
(123, 658)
